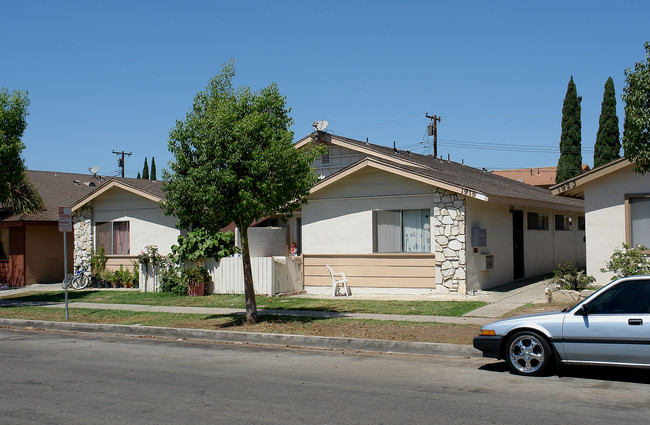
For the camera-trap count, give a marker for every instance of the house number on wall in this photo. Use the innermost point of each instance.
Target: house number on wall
(469, 193)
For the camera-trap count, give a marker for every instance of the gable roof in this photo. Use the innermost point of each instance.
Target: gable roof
(575, 187)
(449, 175)
(150, 189)
(59, 189)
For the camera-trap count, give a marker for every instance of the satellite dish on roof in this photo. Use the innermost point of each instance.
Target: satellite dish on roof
(320, 125)
(94, 170)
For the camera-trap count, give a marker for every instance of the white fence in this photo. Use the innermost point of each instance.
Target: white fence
(271, 276)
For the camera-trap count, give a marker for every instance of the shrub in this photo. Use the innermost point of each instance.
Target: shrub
(568, 277)
(628, 262)
(98, 262)
(169, 275)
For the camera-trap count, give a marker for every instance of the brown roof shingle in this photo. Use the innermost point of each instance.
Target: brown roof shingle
(64, 189)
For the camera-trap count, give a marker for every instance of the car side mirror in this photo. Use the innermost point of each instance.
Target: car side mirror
(583, 310)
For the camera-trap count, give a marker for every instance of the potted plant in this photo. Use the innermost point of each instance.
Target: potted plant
(97, 266)
(105, 277)
(111, 277)
(195, 278)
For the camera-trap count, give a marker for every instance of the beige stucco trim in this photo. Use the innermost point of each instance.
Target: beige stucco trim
(575, 187)
(110, 185)
(369, 162)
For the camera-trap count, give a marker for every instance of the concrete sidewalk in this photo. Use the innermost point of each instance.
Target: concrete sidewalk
(500, 301)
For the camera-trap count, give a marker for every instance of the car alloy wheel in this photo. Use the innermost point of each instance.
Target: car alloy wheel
(528, 353)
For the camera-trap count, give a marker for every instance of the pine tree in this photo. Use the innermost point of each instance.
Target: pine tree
(570, 162)
(145, 170)
(152, 175)
(608, 145)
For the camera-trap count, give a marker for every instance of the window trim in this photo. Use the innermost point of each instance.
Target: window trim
(563, 221)
(112, 222)
(628, 216)
(528, 221)
(375, 236)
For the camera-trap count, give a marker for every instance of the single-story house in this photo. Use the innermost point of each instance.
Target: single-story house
(31, 246)
(123, 216)
(399, 222)
(617, 210)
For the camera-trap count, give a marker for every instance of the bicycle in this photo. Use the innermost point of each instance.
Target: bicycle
(77, 280)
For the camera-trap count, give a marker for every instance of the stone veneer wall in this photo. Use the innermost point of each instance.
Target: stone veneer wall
(449, 233)
(83, 237)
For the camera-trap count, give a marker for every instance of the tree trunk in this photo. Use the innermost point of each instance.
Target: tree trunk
(251, 305)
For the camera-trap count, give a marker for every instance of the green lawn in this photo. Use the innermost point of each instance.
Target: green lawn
(349, 328)
(427, 308)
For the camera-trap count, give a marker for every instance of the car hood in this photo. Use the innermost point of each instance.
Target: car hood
(551, 316)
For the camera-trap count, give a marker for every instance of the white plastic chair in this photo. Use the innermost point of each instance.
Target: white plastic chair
(338, 280)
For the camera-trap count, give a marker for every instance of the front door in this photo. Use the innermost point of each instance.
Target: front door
(518, 243)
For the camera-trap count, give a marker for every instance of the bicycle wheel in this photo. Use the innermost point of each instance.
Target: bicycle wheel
(68, 278)
(81, 281)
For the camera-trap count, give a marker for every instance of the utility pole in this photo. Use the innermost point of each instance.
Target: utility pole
(120, 161)
(432, 130)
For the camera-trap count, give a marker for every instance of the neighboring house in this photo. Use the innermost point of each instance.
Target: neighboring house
(31, 246)
(122, 216)
(399, 222)
(617, 210)
(538, 176)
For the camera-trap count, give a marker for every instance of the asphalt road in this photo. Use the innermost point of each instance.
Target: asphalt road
(63, 378)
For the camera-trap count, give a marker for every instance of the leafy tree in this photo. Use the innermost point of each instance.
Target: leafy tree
(152, 174)
(17, 194)
(607, 145)
(570, 162)
(636, 125)
(145, 170)
(234, 161)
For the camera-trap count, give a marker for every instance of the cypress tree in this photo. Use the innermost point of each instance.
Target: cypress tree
(145, 170)
(570, 162)
(152, 174)
(138, 176)
(608, 145)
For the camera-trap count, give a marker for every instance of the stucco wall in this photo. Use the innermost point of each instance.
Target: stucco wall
(605, 216)
(338, 218)
(148, 223)
(543, 249)
(497, 220)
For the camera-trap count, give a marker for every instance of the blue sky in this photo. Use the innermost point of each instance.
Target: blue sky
(116, 75)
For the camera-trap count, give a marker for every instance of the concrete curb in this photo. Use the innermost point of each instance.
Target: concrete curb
(257, 338)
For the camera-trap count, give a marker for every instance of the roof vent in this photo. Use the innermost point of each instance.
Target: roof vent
(77, 182)
(90, 184)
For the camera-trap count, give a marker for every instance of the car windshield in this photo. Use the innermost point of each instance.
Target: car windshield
(565, 309)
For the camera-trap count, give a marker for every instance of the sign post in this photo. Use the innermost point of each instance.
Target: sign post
(65, 226)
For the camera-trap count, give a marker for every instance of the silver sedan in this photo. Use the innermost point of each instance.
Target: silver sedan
(611, 327)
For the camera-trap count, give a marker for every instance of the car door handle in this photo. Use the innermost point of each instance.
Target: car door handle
(635, 322)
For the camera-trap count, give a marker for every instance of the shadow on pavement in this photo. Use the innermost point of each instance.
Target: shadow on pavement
(596, 373)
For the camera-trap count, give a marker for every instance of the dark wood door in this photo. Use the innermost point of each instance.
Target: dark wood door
(518, 243)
